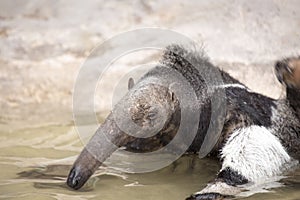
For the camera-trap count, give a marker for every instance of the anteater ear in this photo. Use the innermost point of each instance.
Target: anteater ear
(130, 83)
(288, 72)
(171, 91)
(172, 95)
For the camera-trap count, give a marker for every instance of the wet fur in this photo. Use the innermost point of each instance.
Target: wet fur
(245, 109)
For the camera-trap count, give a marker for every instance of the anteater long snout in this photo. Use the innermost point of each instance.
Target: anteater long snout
(104, 142)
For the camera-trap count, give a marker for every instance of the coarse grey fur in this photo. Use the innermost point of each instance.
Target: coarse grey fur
(145, 98)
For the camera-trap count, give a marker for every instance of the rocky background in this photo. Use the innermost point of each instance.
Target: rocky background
(44, 43)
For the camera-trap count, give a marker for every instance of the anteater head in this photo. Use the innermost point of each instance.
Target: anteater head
(149, 110)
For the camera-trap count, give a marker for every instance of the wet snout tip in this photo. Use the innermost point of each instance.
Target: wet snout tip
(73, 180)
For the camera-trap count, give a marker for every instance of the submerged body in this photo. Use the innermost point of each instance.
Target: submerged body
(260, 136)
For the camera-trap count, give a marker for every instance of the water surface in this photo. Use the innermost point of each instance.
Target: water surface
(34, 164)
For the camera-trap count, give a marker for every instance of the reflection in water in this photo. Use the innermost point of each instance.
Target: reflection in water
(35, 163)
(55, 172)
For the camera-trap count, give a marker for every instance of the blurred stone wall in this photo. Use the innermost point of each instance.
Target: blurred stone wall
(44, 42)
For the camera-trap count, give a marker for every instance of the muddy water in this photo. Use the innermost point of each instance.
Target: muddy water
(34, 164)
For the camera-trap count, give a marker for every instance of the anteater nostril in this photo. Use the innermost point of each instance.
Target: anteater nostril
(76, 181)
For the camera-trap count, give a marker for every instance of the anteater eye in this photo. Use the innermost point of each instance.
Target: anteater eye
(151, 115)
(153, 112)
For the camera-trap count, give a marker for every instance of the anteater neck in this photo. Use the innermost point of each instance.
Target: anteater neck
(293, 96)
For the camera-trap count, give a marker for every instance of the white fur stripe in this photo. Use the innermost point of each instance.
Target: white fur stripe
(221, 188)
(255, 153)
(236, 85)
